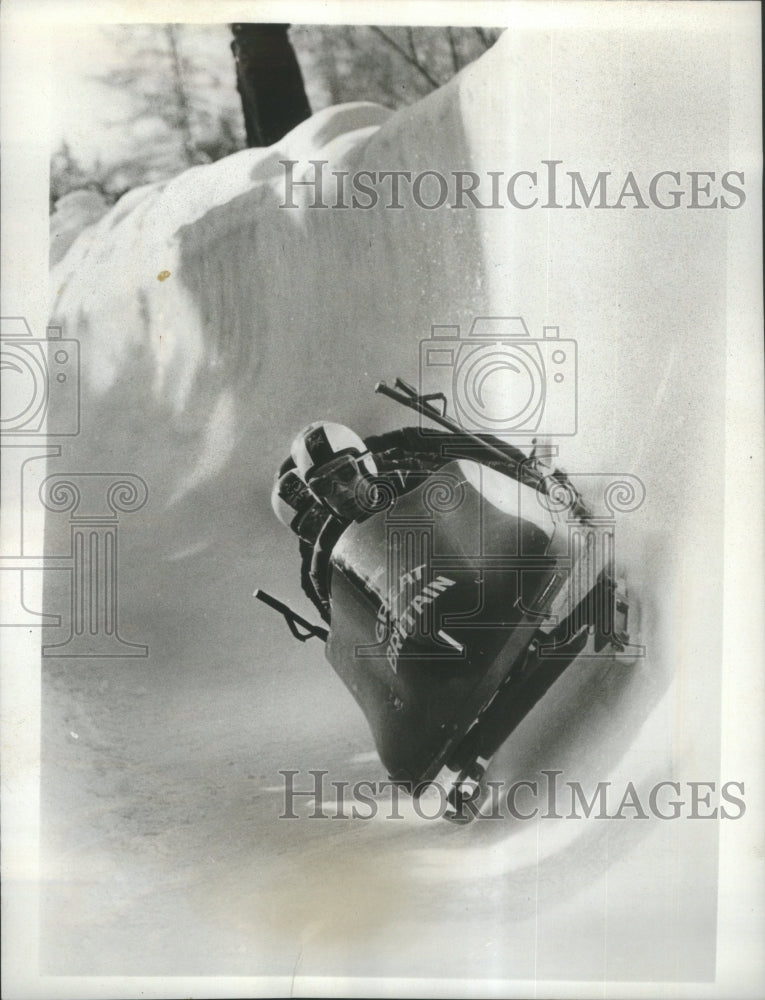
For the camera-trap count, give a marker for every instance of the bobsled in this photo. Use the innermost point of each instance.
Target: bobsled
(458, 603)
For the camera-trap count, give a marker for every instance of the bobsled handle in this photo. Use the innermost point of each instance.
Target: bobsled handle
(295, 622)
(522, 467)
(408, 396)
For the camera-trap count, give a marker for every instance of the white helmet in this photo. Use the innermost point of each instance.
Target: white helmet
(334, 462)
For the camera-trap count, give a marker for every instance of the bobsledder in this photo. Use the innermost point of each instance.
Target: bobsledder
(458, 578)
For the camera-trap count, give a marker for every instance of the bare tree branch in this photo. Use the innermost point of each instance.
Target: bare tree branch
(410, 39)
(183, 122)
(402, 52)
(484, 37)
(453, 48)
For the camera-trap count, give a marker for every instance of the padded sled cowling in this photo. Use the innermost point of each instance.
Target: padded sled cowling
(426, 595)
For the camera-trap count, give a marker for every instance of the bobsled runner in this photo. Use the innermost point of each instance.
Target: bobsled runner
(461, 595)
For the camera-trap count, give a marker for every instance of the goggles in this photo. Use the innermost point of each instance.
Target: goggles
(336, 477)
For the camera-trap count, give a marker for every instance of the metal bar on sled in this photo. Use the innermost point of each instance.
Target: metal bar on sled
(293, 619)
(408, 396)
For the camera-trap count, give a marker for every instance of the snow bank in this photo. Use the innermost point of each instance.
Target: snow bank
(73, 213)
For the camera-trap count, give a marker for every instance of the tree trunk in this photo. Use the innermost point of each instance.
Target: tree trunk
(269, 82)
